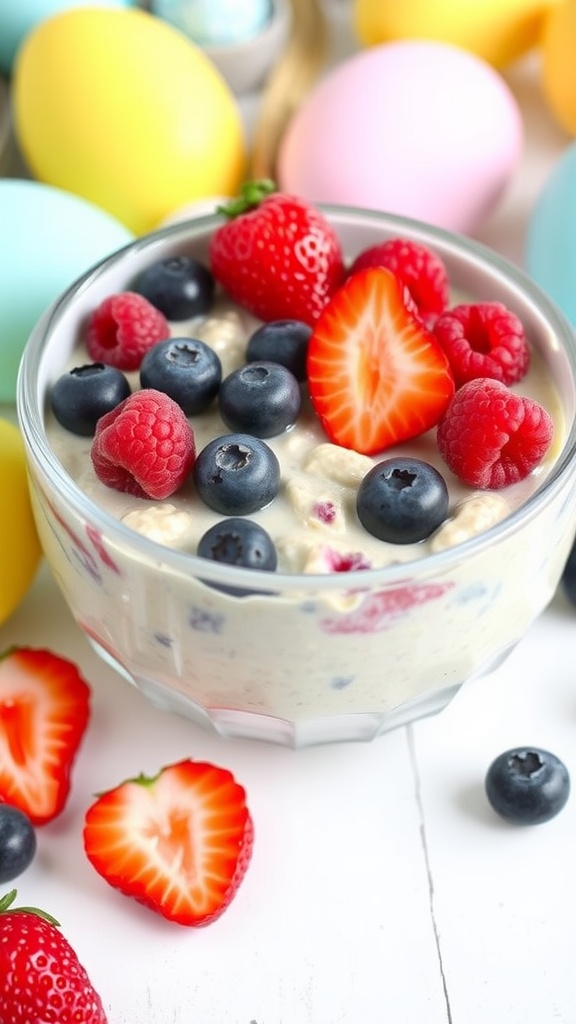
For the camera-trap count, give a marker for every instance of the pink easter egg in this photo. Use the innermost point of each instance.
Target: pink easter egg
(418, 128)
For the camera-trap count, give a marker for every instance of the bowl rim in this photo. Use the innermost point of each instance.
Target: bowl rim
(30, 414)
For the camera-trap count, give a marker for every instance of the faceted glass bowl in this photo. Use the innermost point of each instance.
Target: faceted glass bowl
(308, 658)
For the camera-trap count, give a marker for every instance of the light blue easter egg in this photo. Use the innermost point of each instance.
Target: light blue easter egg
(550, 253)
(215, 22)
(49, 238)
(18, 17)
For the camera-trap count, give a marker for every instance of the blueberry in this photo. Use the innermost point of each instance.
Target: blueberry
(17, 842)
(238, 541)
(262, 399)
(82, 395)
(237, 474)
(179, 286)
(527, 785)
(569, 576)
(281, 341)
(402, 500)
(186, 369)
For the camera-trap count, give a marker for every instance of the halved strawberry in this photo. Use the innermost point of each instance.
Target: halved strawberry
(179, 842)
(376, 375)
(44, 710)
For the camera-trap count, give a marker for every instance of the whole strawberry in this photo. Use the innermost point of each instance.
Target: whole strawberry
(41, 978)
(276, 255)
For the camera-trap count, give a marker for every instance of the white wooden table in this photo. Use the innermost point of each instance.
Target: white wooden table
(383, 889)
(382, 886)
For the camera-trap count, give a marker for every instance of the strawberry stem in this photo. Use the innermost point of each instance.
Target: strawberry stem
(251, 195)
(7, 900)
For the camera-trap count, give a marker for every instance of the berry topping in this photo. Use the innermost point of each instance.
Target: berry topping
(17, 842)
(238, 541)
(179, 286)
(281, 341)
(527, 785)
(80, 397)
(41, 978)
(44, 711)
(377, 376)
(420, 269)
(179, 843)
(122, 328)
(262, 399)
(186, 369)
(483, 339)
(237, 474)
(276, 255)
(490, 437)
(402, 500)
(145, 446)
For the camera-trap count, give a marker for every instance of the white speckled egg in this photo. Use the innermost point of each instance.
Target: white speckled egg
(550, 256)
(419, 128)
(215, 22)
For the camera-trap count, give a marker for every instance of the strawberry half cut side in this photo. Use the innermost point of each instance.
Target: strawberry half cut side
(377, 376)
(179, 842)
(44, 711)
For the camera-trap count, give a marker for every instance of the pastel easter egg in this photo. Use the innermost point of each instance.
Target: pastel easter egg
(123, 109)
(550, 254)
(18, 18)
(49, 238)
(20, 551)
(499, 31)
(558, 64)
(418, 128)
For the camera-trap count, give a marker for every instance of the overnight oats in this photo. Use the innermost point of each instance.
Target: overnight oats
(293, 523)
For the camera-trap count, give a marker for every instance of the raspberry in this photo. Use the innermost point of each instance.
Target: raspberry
(145, 446)
(483, 339)
(420, 269)
(490, 437)
(122, 329)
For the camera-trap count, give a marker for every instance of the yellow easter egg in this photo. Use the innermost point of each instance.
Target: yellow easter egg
(498, 31)
(119, 107)
(558, 64)
(19, 544)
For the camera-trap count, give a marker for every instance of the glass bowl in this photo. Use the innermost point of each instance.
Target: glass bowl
(304, 658)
